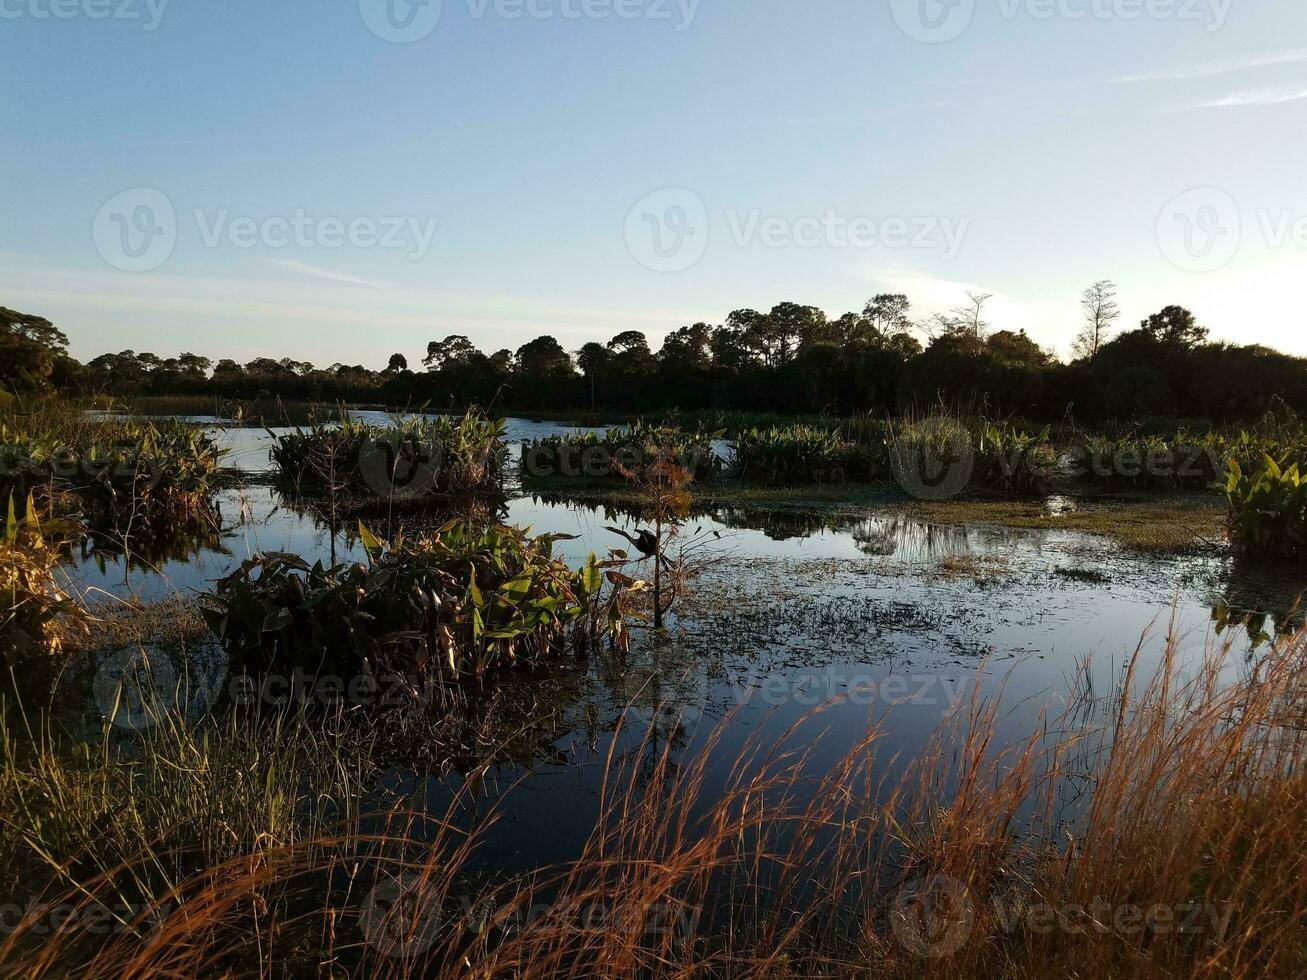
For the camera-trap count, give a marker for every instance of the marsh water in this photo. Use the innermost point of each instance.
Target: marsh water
(799, 603)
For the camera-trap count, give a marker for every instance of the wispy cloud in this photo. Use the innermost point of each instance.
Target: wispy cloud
(1257, 97)
(1211, 69)
(317, 272)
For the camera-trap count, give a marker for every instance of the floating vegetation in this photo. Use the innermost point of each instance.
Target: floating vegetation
(593, 455)
(455, 604)
(411, 459)
(114, 472)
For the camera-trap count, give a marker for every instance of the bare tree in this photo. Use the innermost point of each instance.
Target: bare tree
(965, 321)
(970, 317)
(1101, 311)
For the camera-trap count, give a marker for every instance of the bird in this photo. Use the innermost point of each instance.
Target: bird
(644, 540)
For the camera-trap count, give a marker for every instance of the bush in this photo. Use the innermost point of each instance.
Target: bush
(457, 603)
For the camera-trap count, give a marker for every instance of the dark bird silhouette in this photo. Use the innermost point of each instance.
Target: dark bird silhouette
(644, 540)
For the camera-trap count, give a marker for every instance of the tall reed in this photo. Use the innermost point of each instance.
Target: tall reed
(1080, 849)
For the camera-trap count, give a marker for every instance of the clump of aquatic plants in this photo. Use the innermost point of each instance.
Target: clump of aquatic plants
(32, 605)
(639, 443)
(1176, 461)
(972, 454)
(114, 471)
(1012, 461)
(792, 454)
(408, 459)
(1268, 508)
(454, 604)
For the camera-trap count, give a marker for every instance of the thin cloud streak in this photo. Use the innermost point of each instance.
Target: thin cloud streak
(1212, 69)
(1257, 97)
(318, 272)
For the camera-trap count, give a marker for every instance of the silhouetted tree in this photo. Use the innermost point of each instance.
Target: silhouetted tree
(1101, 311)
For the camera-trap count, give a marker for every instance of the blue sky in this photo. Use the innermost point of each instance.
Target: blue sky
(1048, 144)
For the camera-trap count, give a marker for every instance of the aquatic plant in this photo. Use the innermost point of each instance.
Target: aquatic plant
(599, 455)
(32, 604)
(792, 454)
(1012, 461)
(115, 471)
(976, 454)
(408, 459)
(1177, 461)
(1268, 508)
(455, 604)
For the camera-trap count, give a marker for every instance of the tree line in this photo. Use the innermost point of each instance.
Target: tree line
(790, 359)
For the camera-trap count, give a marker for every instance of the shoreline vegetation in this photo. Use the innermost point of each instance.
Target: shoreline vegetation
(1183, 857)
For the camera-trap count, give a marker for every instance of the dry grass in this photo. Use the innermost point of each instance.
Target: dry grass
(1079, 850)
